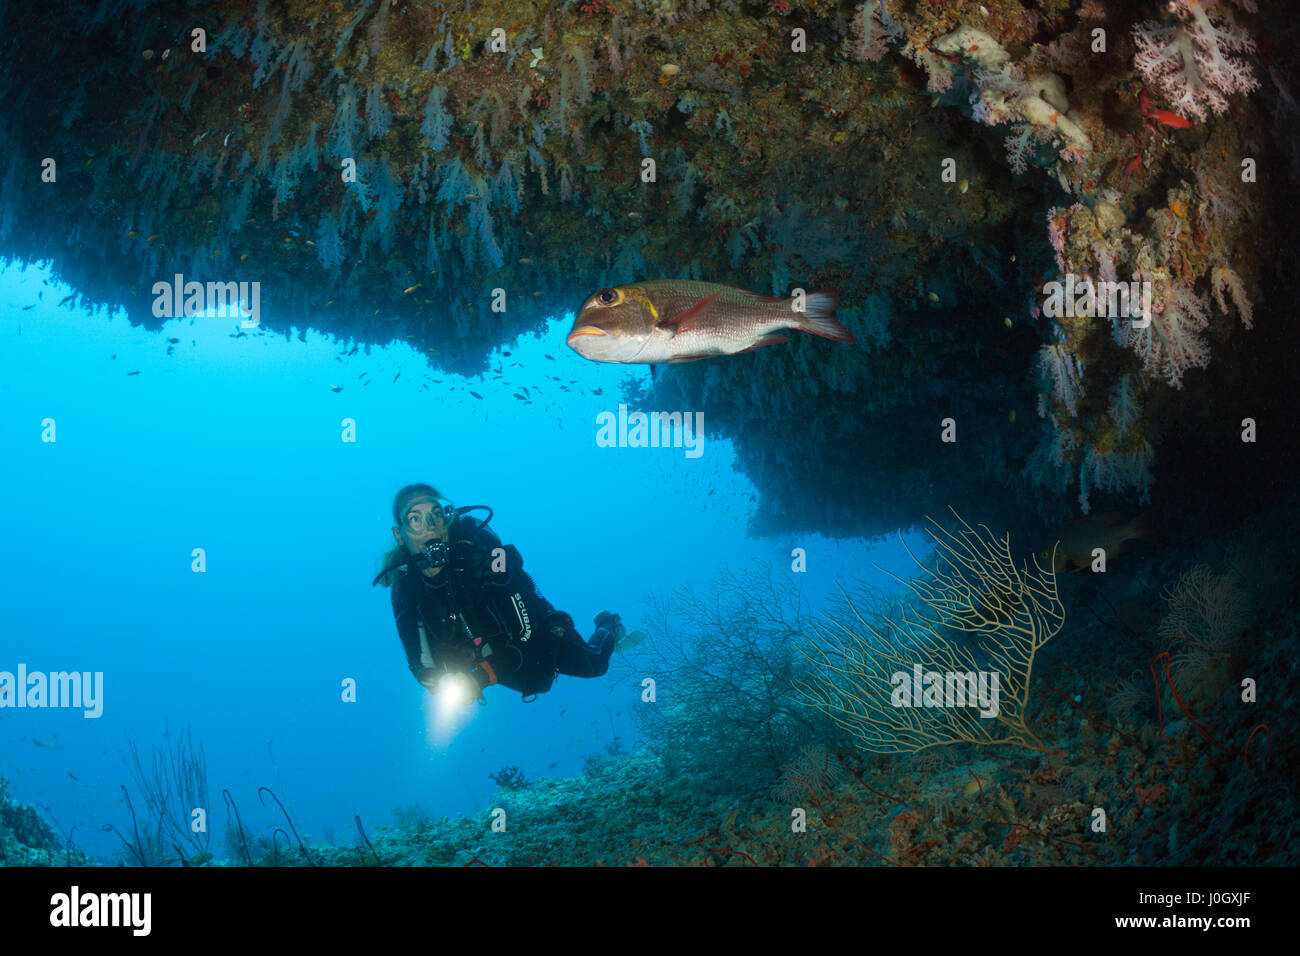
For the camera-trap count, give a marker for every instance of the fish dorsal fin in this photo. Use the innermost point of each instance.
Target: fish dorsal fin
(690, 318)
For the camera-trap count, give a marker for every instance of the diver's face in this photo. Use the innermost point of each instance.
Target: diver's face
(423, 522)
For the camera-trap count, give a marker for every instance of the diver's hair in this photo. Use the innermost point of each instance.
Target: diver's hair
(399, 551)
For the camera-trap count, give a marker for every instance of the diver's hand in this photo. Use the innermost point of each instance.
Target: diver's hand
(557, 622)
(476, 694)
(608, 623)
(429, 678)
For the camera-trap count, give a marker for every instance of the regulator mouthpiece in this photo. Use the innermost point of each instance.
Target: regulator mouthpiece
(436, 554)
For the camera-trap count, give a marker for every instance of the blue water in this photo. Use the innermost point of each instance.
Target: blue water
(233, 445)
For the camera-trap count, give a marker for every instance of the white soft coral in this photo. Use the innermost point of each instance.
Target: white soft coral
(1195, 63)
(1115, 472)
(1065, 373)
(1170, 342)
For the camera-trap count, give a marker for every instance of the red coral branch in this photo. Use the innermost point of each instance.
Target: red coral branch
(1244, 753)
(826, 820)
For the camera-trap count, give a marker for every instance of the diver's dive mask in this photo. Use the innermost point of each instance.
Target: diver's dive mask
(440, 515)
(435, 553)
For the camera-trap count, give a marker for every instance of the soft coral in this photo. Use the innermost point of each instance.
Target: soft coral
(1168, 339)
(1195, 63)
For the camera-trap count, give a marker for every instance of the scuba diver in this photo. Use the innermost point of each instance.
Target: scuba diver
(468, 614)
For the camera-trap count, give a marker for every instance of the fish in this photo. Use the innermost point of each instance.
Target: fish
(682, 320)
(1167, 117)
(1076, 540)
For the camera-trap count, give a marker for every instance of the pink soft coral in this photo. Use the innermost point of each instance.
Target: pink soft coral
(873, 29)
(1223, 278)
(1194, 63)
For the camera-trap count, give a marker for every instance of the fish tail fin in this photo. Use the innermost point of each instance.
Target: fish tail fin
(819, 319)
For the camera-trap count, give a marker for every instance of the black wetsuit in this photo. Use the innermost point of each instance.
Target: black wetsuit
(470, 615)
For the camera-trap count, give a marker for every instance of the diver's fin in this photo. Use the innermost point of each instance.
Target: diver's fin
(630, 639)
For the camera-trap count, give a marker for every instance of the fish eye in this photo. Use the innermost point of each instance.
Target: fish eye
(607, 296)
